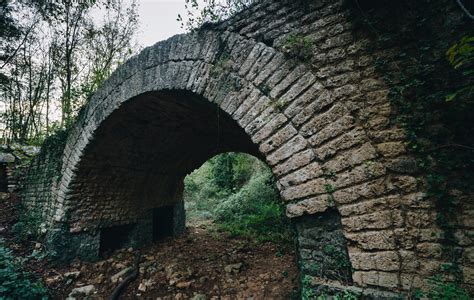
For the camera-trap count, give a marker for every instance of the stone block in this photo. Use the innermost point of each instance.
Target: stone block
(431, 250)
(302, 110)
(312, 187)
(278, 138)
(274, 124)
(351, 158)
(377, 261)
(308, 206)
(298, 160)
(288, 149)
(366, 190)
(373, 240)
(376, 220)
(306, 173)
(391, 149)
(320, 121)
(347, 140)
(332, 130)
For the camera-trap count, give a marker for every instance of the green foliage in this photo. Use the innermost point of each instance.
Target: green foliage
(21, 231)
(330, 190)
(299, 46)
(254, 211)
(223, 171)
(461, 54)
(307, 292)
(55, 143)
(238, 192)
(9, 30)
(334, 264)
(57, 59)
(27, 226)
(461, 57)
(244, 166)
(200, 12)
(343, 295)
(201, 193)
(346, 295)
(14, 282)
(440, 289)
(338, 261)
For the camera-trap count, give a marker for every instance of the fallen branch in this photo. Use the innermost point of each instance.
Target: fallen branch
(123, 284)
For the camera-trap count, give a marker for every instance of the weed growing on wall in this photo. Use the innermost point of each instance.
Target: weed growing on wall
(440, 289)
(298, 46)
(55, 143)
(307, 291)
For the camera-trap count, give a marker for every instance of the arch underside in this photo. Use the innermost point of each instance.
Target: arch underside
(142, 152)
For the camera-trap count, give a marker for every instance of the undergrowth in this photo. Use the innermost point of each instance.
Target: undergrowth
(237, 192)
(15, 283)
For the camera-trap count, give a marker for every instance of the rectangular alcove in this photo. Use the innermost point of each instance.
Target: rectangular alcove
(115, 237)
(3, 178)
(163, 222)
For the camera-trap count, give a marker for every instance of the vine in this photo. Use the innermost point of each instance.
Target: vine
(422, 86)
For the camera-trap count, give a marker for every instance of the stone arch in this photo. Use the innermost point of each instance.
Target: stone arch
(257, 86)
(271, 104)
(282, 113)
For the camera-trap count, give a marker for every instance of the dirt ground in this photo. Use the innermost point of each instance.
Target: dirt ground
(202, 264)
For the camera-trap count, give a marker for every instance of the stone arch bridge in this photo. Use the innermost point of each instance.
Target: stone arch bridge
(322, 124)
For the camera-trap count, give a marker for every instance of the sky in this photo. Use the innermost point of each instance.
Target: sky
(158, 20)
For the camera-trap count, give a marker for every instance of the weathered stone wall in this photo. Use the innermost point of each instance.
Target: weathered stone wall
(288, 82)
(40, 185)
(323, 247)
(14, 159)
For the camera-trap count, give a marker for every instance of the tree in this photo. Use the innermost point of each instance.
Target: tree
(10, 33)
(68, 35)
(56, 59)
(223, 171)
(210, 11)
(23, 90)
(109, 44)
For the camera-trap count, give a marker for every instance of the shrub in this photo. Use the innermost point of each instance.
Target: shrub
(244, 202)
(14, 282)
(254, 211)
(441, 289)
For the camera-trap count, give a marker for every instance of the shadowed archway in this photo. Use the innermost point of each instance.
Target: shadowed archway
(142, 152)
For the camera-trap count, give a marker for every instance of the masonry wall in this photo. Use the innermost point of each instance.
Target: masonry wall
(39, 187)
(301, 81)
(359, 143)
